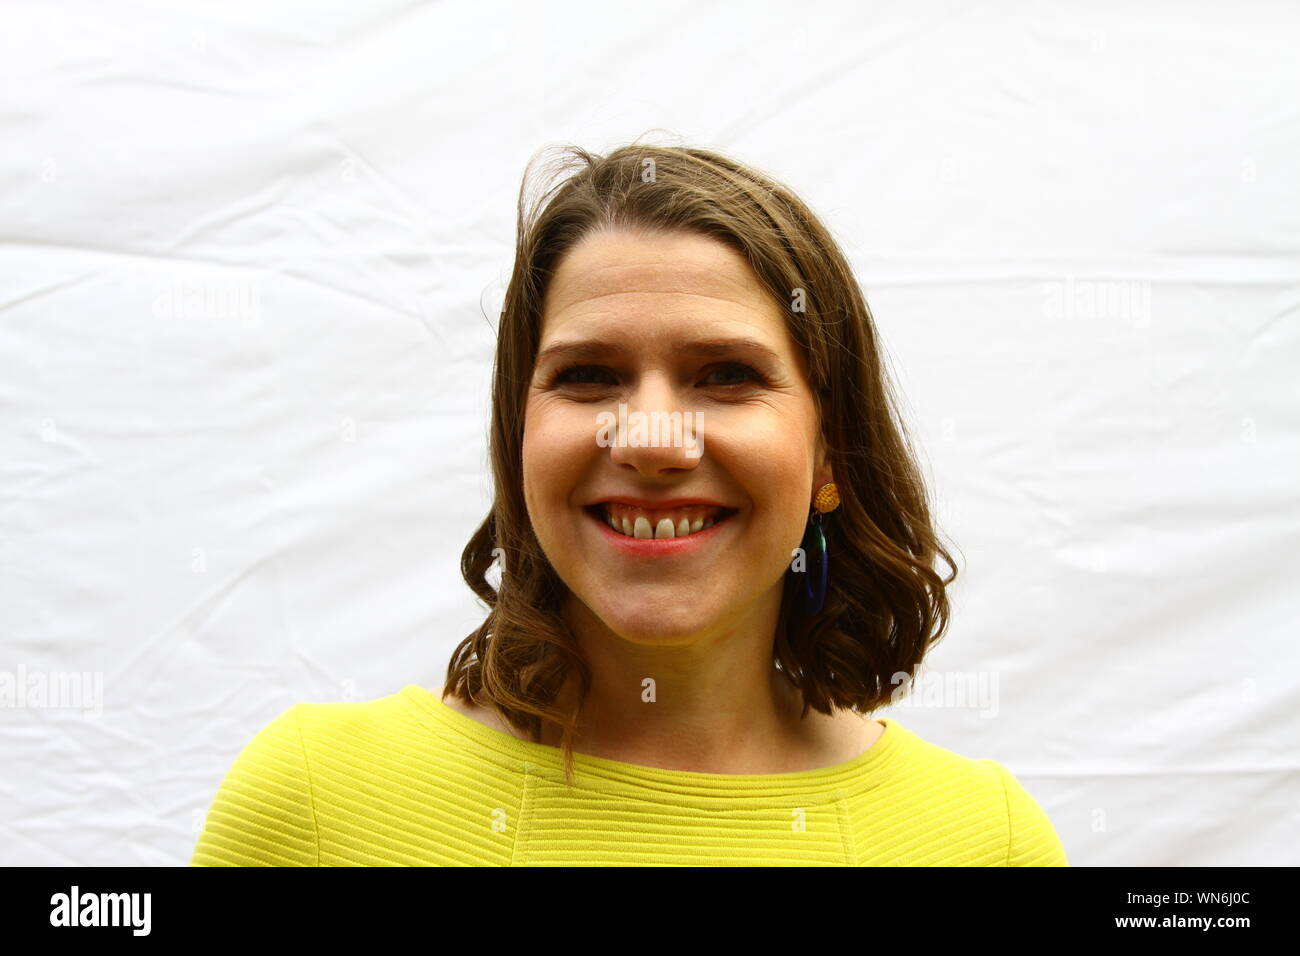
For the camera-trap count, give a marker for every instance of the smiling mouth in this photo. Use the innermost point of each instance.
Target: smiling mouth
(684, 522)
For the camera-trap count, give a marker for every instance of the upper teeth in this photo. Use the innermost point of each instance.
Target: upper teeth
(664, 523)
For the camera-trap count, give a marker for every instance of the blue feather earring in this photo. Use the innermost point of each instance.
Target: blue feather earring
(826, 501)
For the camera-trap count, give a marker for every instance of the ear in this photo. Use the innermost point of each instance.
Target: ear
(821, 470)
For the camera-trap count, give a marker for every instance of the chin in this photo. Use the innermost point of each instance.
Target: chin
(655, 627)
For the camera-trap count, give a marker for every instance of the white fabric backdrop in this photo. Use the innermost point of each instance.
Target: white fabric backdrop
(248, 256)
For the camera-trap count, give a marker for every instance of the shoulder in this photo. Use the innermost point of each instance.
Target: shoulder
(978, 802)
(1032, 840)
(306, 728)
(275, 747)
(331, 723)
(264, 812)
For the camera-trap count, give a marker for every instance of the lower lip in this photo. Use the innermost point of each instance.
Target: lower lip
(660, 547)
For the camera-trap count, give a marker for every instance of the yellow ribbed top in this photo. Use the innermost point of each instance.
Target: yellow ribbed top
(408, 780)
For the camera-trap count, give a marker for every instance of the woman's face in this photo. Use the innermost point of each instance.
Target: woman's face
(642, 307)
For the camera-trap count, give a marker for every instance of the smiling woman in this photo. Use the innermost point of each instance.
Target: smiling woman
(677, 282)
(657, 678)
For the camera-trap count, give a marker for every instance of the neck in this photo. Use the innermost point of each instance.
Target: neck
(714, 704)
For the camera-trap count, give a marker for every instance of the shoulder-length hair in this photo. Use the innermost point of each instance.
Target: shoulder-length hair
(885, 605)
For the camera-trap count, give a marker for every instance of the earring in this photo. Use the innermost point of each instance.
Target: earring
(826, 501)
(828, 498)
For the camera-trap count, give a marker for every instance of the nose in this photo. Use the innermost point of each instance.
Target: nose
(656, 432)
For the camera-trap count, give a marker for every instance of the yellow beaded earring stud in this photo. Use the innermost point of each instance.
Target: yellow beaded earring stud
(827, 499)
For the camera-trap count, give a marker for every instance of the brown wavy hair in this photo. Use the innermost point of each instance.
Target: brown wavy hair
(885, 604)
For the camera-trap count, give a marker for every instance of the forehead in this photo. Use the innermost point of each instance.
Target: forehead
(660, 283)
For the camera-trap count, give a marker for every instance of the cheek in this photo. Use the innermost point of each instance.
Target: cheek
(772, 458)
(555, 450)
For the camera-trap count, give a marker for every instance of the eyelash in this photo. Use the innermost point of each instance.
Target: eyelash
(558, 377)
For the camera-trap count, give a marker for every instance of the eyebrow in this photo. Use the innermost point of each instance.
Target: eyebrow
(591, 348)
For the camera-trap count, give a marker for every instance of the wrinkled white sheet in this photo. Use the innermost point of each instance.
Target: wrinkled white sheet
(252, 255)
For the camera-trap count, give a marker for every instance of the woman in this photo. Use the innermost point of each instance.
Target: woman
(691, 623)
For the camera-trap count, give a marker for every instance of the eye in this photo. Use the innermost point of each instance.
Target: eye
(566, 374)
(574, 375)
(737, 368)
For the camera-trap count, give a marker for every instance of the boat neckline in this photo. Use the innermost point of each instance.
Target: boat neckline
(864, 765)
